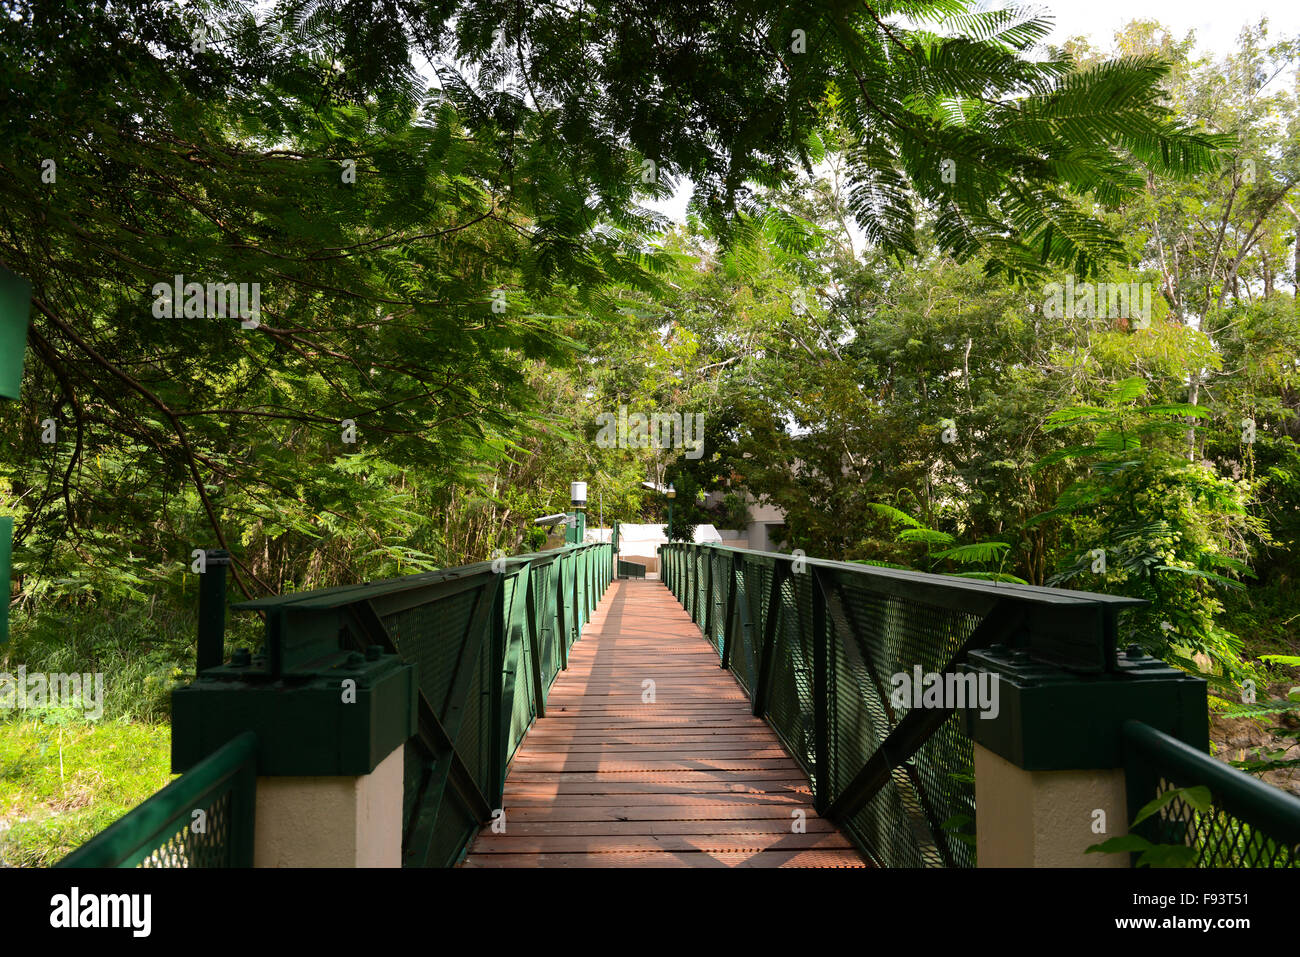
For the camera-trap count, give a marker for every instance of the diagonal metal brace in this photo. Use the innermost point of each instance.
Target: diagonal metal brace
(919, 724)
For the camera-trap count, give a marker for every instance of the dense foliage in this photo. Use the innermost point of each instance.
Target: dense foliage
(443, 207)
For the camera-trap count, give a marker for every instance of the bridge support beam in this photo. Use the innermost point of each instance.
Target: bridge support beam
(334, 821)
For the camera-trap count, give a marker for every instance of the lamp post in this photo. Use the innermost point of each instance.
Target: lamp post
(672, 494)
(578, 527)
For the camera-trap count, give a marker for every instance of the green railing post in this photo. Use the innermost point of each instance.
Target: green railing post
(707, 616)
(1052, 724)
(766, 650)
(531, 630)
(562, 620)
(730, 628)
(499, 723)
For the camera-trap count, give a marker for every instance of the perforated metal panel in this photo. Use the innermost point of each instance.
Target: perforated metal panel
(539, 605)
(1245, 823)
(868, 634)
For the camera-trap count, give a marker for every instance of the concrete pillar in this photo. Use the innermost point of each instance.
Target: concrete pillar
(331, 821)
(1045, 818)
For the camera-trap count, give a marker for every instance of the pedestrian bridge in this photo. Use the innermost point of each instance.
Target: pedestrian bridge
(746, 711)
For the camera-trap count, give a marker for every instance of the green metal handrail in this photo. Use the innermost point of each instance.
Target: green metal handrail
(1249, 823)
(487, 640)
(815, 644)
(204, 818)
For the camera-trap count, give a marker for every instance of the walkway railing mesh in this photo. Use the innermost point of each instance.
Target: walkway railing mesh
(818, 645)
(1244, 822)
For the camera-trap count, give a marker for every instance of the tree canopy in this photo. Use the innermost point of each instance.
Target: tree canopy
(439, 216)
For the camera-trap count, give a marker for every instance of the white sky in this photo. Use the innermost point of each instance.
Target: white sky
(1216, 23)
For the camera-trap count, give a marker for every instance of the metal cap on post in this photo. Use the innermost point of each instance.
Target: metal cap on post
(212, 609)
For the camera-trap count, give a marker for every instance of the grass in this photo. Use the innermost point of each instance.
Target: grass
(64, 779)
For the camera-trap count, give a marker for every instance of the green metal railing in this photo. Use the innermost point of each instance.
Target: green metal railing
(487, 641)
(1247, 823)
(816, 643)
(202, 819)
(488, 645)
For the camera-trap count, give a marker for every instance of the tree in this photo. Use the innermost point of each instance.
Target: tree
(1153, 525)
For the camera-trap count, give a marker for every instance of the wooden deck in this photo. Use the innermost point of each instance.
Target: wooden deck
(691, 779)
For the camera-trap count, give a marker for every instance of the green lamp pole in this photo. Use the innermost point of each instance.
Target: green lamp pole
(576, 531)
(672, 494)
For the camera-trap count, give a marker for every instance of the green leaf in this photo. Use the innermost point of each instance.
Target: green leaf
(1168, 855)
(975, 552)
(1198, 797)
(1198, 573)
(894, 515)
(927, 536)
(1292, 660)
(1127, 390)
(1125, 843)
(991, 577)
(1179, 409)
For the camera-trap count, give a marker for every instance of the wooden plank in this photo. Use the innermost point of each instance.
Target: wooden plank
(669, 799)
(619, 813)
(667, 784)
(660, 860)
(674, 741)
(714, 827)
(509, 843)
(690, 779)
(641, 764)
(666, 776)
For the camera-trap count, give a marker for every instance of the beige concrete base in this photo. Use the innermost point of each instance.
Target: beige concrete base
(331, 821)
(1045, 818)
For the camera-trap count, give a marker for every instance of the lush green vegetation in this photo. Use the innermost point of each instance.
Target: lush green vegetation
(444, 208)
(63, 780)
